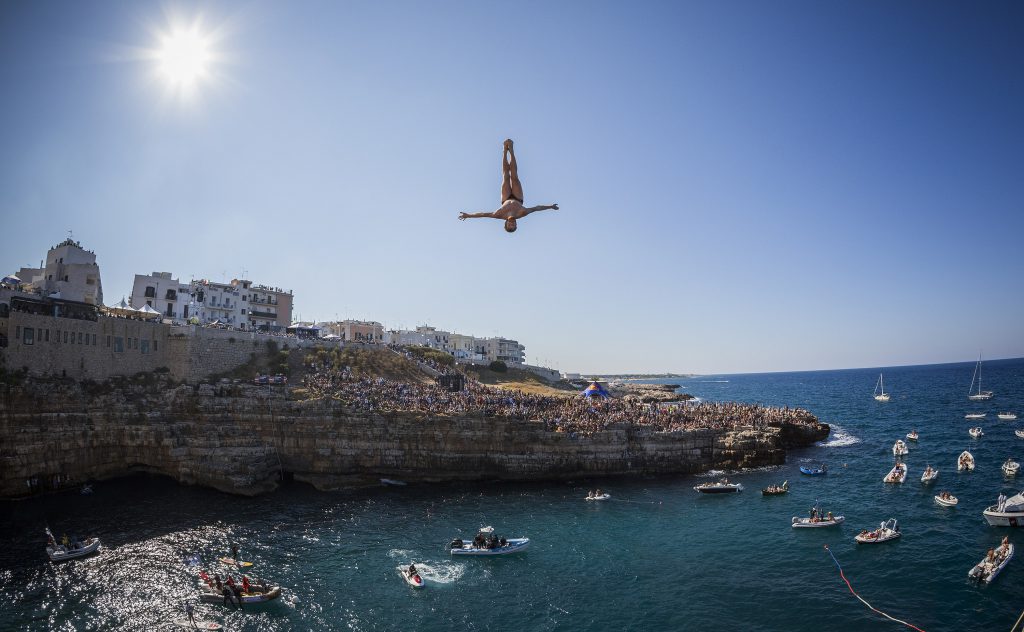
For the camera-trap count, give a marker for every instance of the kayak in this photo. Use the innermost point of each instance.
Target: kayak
(232, 562)
(198, 625)
(599, 497)
(416, 581)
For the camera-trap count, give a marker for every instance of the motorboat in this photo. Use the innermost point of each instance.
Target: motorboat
(814, 471)
(60, 552)
(965, 462)
(776, 490)
(1007, 416)
(413, 578)
(486, 543)
(975, 415)
(912, 435)
(975, 432)
(721, 487)
(900, 448)
(257, 593)
(598, 496)
(888, 530)
(929, 475)
(987, 569)
(816, 520)
(978, 395)
(1019, 433)
(946, 499)
(1011, 467)
(897, 474)
(1007, 512)
(880, 394)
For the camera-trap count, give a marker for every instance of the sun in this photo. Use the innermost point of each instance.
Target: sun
(184, 58)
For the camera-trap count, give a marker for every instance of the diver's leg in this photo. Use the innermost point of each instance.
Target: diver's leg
(517, 187)
(506, 177)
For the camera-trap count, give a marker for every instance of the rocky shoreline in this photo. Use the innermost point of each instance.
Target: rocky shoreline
(245, 439)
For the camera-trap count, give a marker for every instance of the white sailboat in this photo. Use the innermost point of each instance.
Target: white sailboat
(880, 395)
(980, 395)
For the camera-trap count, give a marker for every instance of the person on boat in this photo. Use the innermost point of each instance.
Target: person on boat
(511, 194)
(237, 592)
(191, 612)
(228, 596)
(230, 583)
(65, 541)
(245, 584)
(479, 540)
(597, 493)
(217, 582)
(234, 552)
(411, 571)
(1001, 502)
(829, 517)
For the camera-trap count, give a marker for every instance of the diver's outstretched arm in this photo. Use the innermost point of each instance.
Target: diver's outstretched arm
(543, 207)
(474, 215)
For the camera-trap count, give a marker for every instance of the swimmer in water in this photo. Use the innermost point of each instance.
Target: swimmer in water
(511, 194)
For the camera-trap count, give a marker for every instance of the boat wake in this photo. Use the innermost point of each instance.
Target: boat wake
(443, 573)
(399, 553)
(839, 438)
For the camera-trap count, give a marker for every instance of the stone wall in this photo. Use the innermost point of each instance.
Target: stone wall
(82, 349)
(244, 439)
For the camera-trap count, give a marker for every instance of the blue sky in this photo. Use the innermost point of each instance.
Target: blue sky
(744, 186)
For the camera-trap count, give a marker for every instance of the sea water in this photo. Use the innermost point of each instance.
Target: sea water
(657, 556)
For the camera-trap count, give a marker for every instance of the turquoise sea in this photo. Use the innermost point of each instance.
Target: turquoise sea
(658, 556)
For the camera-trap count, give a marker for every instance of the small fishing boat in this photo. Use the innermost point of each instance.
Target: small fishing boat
(965, 462)
(897, 474)
(987, 569)
(975, 416)
(814, 471)
(69, 549)
(721, 487)
(946, 499)
(912, 435)
(411, 576)
(1019, 433)
(486, 543)
(975, 432)
(1007, 512)
(776, 490)
(1011, 467)
(1007, 416)
(929, 475)
(598, 496)
(900, 448)
(888, 530)
(880, 395)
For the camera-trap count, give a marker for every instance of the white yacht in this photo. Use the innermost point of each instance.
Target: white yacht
(1007, 512)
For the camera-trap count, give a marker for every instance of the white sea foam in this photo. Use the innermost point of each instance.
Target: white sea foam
(714, 381)
(396, 553)
(839, 438)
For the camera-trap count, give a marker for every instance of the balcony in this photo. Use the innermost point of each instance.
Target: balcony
(258, 314)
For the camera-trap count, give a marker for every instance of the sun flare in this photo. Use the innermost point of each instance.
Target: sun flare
(184, 58)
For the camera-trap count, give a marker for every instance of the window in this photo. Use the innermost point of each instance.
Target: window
(94, 340)
(243, 312)
(30, 336)
(145, 346)
(56, 337)
(79, 337)
(150, 303)
(17, 332)
(118, 344)
(47, 335)
(155, 345)
(66, 338)
(150, 291)
(108, 342)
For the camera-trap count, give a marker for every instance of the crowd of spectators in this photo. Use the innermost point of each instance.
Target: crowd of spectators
(570, 414)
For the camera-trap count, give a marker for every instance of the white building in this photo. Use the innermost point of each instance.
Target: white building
(356, 330)
(504, 350)
(423, 336)
(462, 346)
(165, 294)
(70, 273)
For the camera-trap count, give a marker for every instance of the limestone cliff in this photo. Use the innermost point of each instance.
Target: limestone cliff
(244, 439)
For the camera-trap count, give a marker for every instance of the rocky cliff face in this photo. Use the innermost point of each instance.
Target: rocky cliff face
(243, 440)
